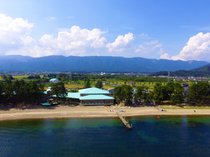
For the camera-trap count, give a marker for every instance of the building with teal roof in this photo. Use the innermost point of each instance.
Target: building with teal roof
(92, 96)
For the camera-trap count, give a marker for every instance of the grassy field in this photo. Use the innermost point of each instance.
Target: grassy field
(20, 77)
(109, 82)
(73, 85)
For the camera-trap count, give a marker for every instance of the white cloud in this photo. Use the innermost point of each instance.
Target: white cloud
(165, 55)
(149, 49)
(197, 48)
(74, 41)
(16, 38)
(13, 31)
(120, 42)
(78, 41)
(15, 25)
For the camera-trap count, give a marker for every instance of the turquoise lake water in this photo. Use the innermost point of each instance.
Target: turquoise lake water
(106, 137)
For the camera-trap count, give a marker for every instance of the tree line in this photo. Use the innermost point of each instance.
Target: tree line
(171, 93)
(20, 91)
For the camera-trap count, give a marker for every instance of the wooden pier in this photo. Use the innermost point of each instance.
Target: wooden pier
(124, 121)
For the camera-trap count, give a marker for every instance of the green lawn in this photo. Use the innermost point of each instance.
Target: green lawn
(20, 77)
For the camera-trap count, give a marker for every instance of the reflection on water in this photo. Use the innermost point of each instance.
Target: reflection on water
(101, 137)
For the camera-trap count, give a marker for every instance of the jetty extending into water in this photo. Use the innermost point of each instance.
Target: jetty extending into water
(124, 121)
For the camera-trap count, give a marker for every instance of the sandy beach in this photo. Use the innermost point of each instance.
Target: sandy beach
(95, 111)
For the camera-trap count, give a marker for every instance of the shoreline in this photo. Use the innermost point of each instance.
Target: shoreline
(97, 112)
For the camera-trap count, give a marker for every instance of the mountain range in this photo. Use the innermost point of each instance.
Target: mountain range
(14, 63)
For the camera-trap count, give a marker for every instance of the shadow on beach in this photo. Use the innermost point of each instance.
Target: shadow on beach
(7, 107)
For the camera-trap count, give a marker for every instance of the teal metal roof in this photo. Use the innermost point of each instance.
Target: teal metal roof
(96, 97)
(73, 95)
(93, 90)
(91, 94)
(46, 104)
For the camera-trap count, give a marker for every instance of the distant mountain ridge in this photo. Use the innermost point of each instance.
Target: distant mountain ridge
(198, 72)
(205, 69)
(14, 63)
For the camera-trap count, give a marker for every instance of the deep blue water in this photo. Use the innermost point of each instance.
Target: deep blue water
(150, 137)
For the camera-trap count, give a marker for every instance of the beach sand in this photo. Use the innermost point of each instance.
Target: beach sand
(94, 111)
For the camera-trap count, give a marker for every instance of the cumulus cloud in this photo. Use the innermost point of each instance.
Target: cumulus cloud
(16, 38)
(120, 42)
(14, 25)
(13, 31)
(74, 41)
(197, 48)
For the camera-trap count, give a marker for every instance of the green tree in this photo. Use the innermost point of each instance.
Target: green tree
(20, 91)
(87, 83)
(34, 91)
(28, 92)
(143, 95)
(99, 84)
(59, 90)
(171, 91)
(198, 92)
(168, 90)
(124, 93)
(158, 93)
(177, 96)
(1, 91)
(8, 90)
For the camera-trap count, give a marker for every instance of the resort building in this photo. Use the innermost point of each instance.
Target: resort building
(92, 96)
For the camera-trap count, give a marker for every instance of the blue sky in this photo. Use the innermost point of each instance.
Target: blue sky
(169, 29)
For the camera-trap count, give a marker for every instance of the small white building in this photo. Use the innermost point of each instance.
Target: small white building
(54, 80)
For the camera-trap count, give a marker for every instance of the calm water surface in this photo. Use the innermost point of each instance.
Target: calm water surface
(150, 137)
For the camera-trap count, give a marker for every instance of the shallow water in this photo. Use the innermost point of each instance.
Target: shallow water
(106, 137)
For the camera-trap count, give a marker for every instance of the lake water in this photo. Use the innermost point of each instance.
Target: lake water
(106, 137)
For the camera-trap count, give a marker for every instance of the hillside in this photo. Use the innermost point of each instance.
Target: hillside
(205, 69)
(198, 72)
(92, 64)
